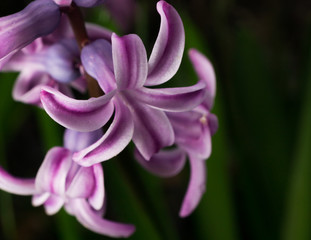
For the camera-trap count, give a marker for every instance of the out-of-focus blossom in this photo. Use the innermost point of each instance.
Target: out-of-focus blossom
(123, 72)
(39, 18)
(61, 182)
(53, 60)
(193, 130)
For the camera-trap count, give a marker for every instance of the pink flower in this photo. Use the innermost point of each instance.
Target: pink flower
(193, 130)
(61, 182)
(124, 74)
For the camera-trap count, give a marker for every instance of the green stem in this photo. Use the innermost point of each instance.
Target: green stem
(78, 26)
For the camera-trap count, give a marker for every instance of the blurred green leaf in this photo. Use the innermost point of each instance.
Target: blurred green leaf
(298, 214)
(261, 138)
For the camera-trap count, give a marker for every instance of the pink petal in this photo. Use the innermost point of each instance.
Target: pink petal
(200, 147)
(39, 199)
(82, 183)
(98, 196)
(166, 163)
(129, 61)
(186, 125)
(20, 29)
(116, 138)
(196, 187)
(168, 49)
(15, 185)
(98, 32)
(28, 86)
(88, 182)
(97, 62)
(52, 174)
(80, 115)
(76, 141)
(213, 123)
(89, 219)
(204, 69)
(171, 99)
(53, 204)
(152, 129)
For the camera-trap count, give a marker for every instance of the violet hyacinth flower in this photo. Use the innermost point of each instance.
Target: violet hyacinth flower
(193, 130)
(43, 64)
(53, 60)
(62, 182)
(39, 18)
(123, 72)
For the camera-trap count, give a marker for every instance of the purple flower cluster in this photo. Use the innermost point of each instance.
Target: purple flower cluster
(131, 107)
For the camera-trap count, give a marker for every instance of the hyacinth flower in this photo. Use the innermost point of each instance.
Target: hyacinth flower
(53, 60)
(193, 130)
(20, 29)
(61, 182)
(124, 74)
(41, 65)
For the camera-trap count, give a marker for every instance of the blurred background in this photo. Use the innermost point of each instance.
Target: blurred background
(259, 173)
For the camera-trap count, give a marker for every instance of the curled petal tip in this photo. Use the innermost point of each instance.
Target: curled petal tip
(88, 218)
(80, 115)
(204, 70)
(168, 49)
(196, 186)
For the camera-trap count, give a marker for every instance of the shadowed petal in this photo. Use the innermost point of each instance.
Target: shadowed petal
(201, 147)
(79, 115)
(213, 123)
(168, 49)
(60, 60)
(97, 61)
(166, 163)
(129, 61)
(76, 141)
(98, 196)
(196, 187)
(186, 125)
(171, 99)
(15, 185)
(52, 174)
(116, 138)
(88, 182)
(28, 86)
(89, 219)
(98, 32)
(20, 29)
(205, 71)
(153, 130)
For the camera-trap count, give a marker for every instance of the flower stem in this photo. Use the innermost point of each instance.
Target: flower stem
(78, 26)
